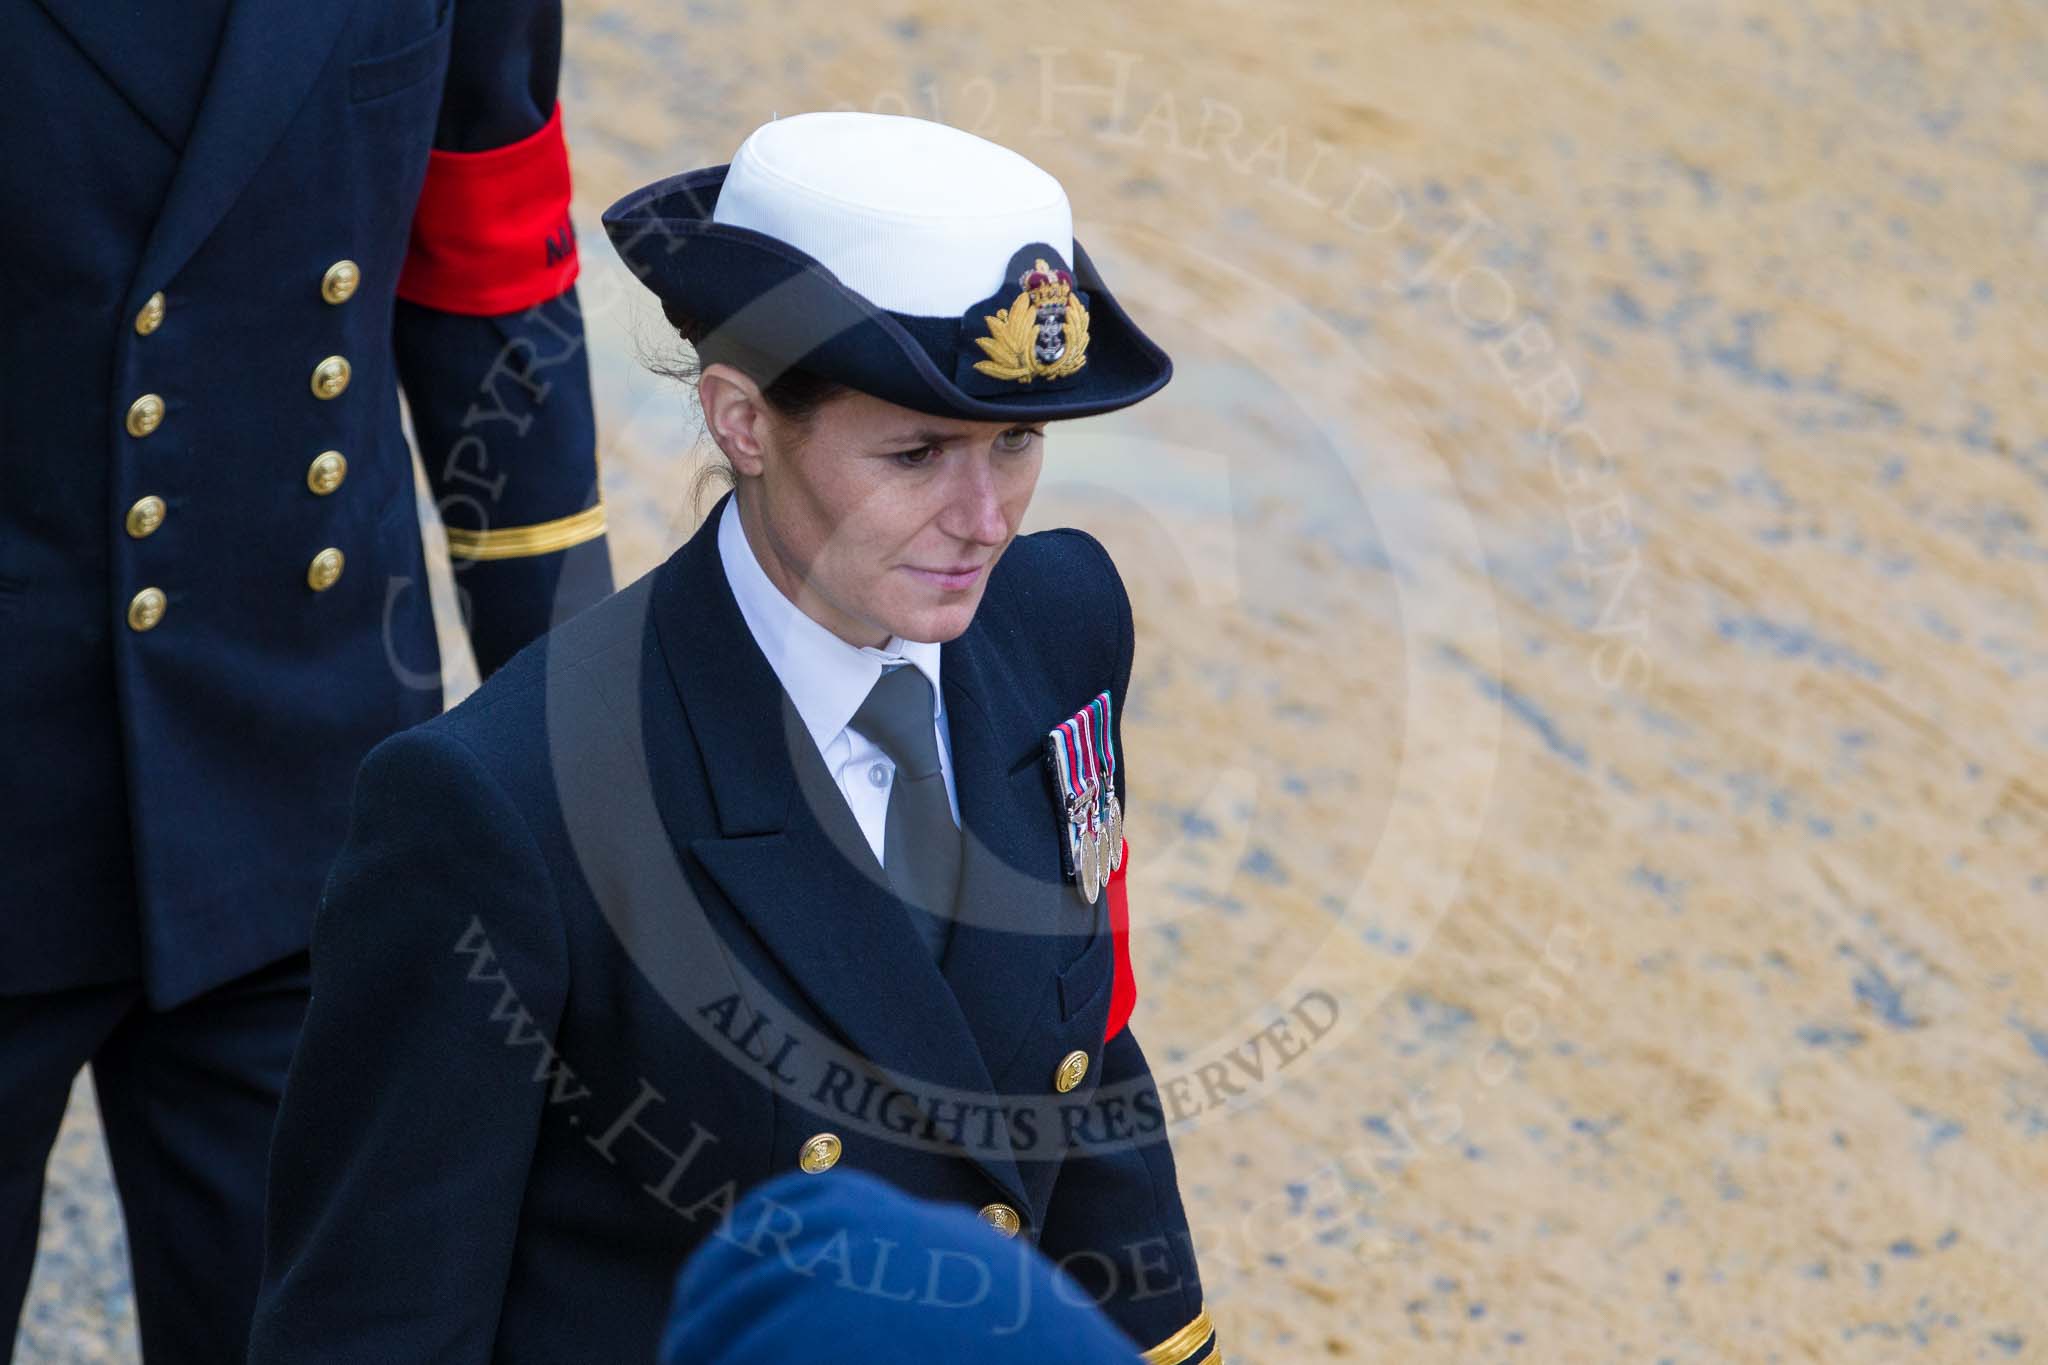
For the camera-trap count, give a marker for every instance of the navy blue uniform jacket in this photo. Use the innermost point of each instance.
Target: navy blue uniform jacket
(605, 948)
(181, 182)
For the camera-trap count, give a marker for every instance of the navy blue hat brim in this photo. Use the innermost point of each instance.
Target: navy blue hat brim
(784, 304)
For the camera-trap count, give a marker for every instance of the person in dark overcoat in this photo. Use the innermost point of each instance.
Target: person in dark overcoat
(802, 852)
(235, 231)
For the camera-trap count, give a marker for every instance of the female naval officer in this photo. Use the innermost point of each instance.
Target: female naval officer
(802, 852)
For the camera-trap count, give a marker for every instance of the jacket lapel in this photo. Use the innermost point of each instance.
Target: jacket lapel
(271, 51)
(792, 859)
(155, 57)
(1002, 958)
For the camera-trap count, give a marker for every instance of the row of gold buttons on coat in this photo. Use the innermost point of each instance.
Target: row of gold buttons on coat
(821, 1151)
(330, 378)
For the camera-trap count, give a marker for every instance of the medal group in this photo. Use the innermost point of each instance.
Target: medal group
(1081, 755)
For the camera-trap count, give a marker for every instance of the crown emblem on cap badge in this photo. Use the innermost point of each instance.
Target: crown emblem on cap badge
(1043, 334)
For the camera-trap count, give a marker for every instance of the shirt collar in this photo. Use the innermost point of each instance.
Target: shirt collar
(826, 677)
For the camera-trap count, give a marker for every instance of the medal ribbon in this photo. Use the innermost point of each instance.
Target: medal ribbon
(1066, 761)
(1106, 740)
(1091, 767)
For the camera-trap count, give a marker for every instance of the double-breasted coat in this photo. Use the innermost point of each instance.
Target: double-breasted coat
(213, 599)
(605, 948)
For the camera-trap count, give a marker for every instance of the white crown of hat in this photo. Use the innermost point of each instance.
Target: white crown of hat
(918, 217)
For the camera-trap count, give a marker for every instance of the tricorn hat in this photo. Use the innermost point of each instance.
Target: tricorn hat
(904, 258)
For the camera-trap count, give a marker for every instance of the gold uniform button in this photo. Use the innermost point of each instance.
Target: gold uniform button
(152, 315)
(326, 472)
(330, 377)
(145, 414)
(145, 516)
(1002, 1218)
(146, 608)
(821, 1153)
(1073, 1067)
(325, 569)
(338, 285)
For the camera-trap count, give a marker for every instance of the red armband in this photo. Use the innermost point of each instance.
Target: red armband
(1123, 987)
(491, 232)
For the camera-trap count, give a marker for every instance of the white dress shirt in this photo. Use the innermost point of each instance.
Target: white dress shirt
(828, 679)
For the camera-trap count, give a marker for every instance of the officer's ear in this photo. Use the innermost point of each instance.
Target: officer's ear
(737, 416)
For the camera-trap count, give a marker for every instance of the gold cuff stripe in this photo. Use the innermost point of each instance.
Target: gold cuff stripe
(517, 542)
(1183, 1344)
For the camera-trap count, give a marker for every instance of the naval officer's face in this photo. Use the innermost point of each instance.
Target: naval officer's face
(878, 519)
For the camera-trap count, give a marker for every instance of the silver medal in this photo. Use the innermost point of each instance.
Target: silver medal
(1102, 851)
(1082, 848)
(1091, 870)
(1116, 832)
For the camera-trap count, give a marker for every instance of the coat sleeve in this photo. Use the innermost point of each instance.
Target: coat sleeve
(413, 1103)
(1116, 1223)
(489, 336)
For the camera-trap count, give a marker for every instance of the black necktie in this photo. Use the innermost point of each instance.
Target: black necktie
(920, 842)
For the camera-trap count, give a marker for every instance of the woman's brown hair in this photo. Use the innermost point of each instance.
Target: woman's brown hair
(794, 392)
